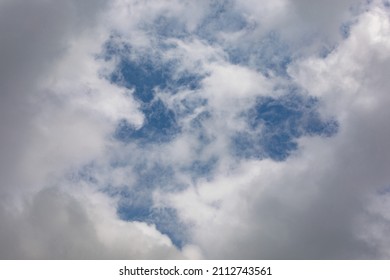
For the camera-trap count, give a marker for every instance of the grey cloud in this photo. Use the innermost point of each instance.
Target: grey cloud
(314, 205)
(317, 204)
(33, 35)
(324, 16)
(48, 126)
(56, 225)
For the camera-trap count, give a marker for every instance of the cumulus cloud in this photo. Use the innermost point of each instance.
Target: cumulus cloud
(34, 36)
(56, 114)
(317, 203)
(57, 225)
(147, 129)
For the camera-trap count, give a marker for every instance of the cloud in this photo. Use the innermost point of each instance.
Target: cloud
(318, 204)
(34, 36)
(57, 112)
(57, 225)
(325, 18)
(146, 129)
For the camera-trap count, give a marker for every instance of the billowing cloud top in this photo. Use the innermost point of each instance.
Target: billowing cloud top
(194, 129)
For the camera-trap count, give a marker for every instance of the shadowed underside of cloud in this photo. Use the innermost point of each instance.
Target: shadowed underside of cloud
(209, 129)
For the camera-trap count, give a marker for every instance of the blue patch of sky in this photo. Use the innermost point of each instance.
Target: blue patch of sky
(165, 219)
(160, 126)
(134, 206)
(168, 222)
(136, 203)
(147, 73)
(276, 124)
(145, 76)
(113, 47)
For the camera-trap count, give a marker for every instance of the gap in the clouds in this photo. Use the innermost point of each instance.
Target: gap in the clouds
(146, 76)
(150, 77)
(165, 220)
(275, 124)
(136, 202)
(160, 125)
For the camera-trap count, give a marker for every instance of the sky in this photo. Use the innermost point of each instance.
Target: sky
(211, 129)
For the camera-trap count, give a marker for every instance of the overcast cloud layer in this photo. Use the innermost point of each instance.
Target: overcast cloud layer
(194, 129)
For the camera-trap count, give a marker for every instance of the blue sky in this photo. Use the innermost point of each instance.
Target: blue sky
(203, 130)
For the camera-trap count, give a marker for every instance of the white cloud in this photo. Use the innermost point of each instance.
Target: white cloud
(315, 204)
(57, 114)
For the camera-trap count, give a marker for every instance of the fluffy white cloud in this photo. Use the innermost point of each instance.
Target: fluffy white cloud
(319, 203)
